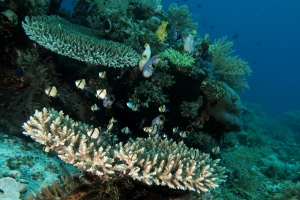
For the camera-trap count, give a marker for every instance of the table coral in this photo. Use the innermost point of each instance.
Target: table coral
(80, 43)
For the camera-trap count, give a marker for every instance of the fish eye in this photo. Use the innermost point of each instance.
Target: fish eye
(112, 98)
(162, 118)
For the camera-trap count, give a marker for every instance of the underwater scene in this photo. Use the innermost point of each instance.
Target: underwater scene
(149, 100)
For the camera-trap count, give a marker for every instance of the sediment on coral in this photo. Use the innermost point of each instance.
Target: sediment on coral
(80, 43)
(151, 160)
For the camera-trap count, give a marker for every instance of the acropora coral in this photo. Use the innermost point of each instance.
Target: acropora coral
(157, 161)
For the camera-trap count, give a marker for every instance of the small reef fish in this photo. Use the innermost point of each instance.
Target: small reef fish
(151, 130)
(145, 56)
(95, 107)
(132, 106)
(175, 130)
(235, 36)
(108, 100)
(195, 154)
(163, 109)
(102, 74)
(80, 84)
(133, 156)
(213, 26)
(159, 120)
(18, 72)
(199, 6)
(51, 91)
(93, 133)
(150, 65)
(109, 126)
(174, 35)
(101, 93)
(113, 120)
(182, 134)
(216, 150)
(125, 130)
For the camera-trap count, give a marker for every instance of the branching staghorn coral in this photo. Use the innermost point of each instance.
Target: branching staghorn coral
(150, 160)
(180, 16)
(78, 42)
(231, 69)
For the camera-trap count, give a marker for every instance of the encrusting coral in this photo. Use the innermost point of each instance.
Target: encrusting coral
(150, 160)
(80, 43)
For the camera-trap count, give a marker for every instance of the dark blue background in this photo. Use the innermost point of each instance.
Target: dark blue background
(276, 25)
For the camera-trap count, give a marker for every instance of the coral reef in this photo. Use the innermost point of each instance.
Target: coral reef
(190, 109)
(85, 185)
(291, 119)
(151, 161)
(180, 16)
(23, 161)
(178, 59)
(224, 103)
(86, 63)
(77, 42)
(231, 69)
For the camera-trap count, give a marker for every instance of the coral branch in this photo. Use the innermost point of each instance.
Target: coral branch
(150, 160)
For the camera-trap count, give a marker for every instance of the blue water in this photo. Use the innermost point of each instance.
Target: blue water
(268, 38)
(275, 61)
